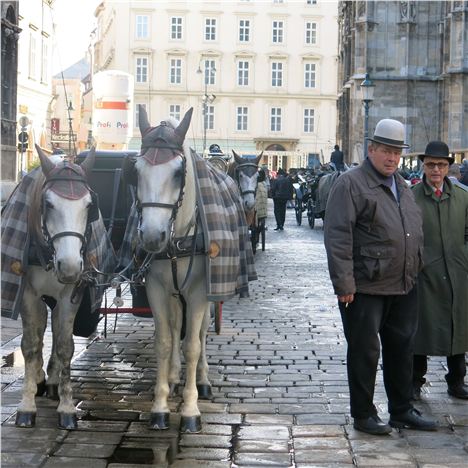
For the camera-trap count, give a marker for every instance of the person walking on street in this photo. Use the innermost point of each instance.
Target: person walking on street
(337, 158)
(282, 190)
(443, 282)
(373, 233)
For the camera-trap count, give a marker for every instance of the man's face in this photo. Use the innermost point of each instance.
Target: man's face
(435, 170)
(385, 158)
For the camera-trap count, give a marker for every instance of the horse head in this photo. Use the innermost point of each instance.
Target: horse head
(68, 206)
(159, 172)
(246, 174)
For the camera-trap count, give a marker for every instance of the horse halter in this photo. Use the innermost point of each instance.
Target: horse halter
(93, 212)
(238, 170)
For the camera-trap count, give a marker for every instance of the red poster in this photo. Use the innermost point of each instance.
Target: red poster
(55, 126)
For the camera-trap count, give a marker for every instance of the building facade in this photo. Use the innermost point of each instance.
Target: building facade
(34, 93)
(10, 35)
(260, 75)
(416, 54)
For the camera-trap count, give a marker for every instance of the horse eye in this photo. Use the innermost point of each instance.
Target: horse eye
(178, 174)
(49, 205)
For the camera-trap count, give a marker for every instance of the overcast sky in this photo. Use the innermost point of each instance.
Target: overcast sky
(74, 21)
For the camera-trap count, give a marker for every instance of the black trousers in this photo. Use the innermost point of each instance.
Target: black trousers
(279, 206)
(394, 319)
(456, 369)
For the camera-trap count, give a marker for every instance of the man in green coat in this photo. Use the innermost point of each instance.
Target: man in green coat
(443, 282)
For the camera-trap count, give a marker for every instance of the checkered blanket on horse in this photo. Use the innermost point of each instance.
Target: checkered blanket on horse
(223, 222)
(16, 243)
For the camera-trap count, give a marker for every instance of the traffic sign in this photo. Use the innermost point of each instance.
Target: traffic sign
(23, 137)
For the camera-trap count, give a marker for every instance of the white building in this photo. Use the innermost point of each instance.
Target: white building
(262, 72)
(34, 92)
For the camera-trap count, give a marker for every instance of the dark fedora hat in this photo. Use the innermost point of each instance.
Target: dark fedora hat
(437, 149)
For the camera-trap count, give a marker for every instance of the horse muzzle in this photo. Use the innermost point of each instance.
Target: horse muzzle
(68, 272)
(155, 242)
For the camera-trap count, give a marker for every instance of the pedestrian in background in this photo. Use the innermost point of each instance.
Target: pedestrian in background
(373, 233)
(337, 158)
(454, 174)
(282, 190)
(443, 282)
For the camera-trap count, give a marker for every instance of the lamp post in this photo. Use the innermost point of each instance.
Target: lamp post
(207, 99)
(367, 90)
(71, 138)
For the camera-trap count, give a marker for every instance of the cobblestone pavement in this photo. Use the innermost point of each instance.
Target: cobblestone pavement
(279, 383)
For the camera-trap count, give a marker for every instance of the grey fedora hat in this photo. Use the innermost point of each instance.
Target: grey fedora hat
(389, 132)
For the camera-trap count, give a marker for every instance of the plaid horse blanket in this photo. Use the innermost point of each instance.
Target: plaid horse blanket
(16, 242)
(324, 187)
(223, 223)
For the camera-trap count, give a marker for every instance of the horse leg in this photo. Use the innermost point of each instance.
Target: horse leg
(203, 383)
(160, 305)
(65, 313)
(34, 319)
(175, 326)
(53, 366)
(190, 414)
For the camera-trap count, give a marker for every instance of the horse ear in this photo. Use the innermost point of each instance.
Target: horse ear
(237, 158)
(143, 121)
(88, 164)
(184, 125)
(258, 158)
(46, 164)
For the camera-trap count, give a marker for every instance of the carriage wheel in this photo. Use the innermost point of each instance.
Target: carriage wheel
(218, 316)
(263, 234)
(298, 209)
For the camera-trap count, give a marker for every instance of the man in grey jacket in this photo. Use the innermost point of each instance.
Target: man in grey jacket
(373, 234)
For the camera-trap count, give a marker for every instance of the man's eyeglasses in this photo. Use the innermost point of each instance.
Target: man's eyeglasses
(433, 165)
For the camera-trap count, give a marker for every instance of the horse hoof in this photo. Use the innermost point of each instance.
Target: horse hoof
(41, 388)
(204, 392)
(159, 421)
(24, 419)
(67, 421)
(173, 389)
(52, 392)
(190, 424)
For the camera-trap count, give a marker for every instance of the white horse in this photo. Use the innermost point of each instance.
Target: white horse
(59, 224)
(175, 284)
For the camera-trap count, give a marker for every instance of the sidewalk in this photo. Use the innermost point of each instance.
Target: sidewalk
(279, 382)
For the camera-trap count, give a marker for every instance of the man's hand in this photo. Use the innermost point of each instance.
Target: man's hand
(347, 299)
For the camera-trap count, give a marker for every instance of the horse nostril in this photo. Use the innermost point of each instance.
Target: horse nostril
(59, 265)
(163, 237)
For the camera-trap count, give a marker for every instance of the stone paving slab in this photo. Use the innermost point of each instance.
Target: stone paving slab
(278, 373)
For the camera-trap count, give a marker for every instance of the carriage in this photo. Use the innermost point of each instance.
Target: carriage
(191, 252)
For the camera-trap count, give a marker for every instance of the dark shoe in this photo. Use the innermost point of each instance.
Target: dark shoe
(458, 391)
(412, 419)
(281, 228)
(277, 228)
(416, 396)
(372, 425)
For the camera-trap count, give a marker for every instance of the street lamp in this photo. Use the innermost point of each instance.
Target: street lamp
(367, 90)
(71, 138)
(207, 99)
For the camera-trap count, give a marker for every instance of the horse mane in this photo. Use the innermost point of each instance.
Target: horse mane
(35, 210)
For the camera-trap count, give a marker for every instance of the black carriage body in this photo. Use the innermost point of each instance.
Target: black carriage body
(107, 182)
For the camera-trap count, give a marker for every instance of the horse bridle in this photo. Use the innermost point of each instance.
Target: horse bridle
(93, 215)
(171, 206)
(238, 170)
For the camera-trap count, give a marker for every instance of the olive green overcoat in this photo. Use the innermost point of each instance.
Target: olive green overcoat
(443, 282)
